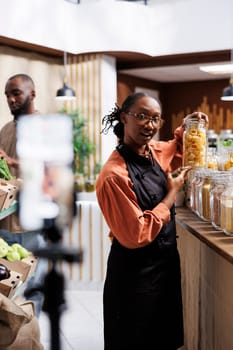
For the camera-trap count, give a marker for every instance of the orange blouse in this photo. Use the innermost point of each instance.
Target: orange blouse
(118, 202)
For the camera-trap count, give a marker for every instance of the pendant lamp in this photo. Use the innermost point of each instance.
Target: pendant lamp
(66, 93)
(227, 94)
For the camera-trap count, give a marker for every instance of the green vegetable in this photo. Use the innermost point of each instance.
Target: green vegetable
(227, 143)
(12, 252)
(4, 170)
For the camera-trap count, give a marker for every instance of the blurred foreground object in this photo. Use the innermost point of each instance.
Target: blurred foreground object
(19, 328)
(45, 153)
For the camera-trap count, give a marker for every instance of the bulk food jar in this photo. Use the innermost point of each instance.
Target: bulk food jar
(226, 201)
(204, 195)
(219, 184)
(195, 143)
(196, 179)
(197, 192)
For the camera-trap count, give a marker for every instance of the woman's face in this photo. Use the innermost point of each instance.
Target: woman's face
(141, 122)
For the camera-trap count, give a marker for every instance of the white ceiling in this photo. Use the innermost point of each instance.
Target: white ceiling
(188, 72)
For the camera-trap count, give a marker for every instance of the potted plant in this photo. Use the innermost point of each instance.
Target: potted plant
(83, 148)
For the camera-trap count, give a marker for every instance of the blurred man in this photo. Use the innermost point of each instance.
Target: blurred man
(20, 94)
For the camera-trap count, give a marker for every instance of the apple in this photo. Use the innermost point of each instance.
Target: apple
(3, 248)
(23, 252)
(3, 242)
(3, 251)
(12, 255)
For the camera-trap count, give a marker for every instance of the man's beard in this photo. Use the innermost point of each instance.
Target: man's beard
(23, 109)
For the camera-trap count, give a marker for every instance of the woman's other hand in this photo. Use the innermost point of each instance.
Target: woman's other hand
(176, 178)
(174, 184)
(199, 115)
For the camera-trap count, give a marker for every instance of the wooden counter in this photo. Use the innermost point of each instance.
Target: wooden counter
(207, 283)
(215, 239)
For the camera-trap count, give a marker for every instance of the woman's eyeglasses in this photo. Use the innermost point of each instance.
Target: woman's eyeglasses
(144, 118)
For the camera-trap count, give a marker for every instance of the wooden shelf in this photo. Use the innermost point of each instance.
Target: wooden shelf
(215, 239)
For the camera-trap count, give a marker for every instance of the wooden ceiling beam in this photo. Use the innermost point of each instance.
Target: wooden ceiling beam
(130, 60)
(175, 60)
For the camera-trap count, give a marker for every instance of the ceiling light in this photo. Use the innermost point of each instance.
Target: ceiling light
(218, 68)
(66, 93)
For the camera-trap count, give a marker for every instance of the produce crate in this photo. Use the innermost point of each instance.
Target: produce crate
(6, 212)
(24, 267)
(8, 286)
(10, 188)
(3, 195)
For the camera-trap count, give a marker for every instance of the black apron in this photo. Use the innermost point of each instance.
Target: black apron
(142, 291)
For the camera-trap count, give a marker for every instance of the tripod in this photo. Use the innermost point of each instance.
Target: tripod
(54, 282)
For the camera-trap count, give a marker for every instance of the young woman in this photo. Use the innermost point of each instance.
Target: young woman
(136, 193)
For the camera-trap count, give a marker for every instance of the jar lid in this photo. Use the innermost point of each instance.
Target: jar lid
(226, 131)
(195, 120)
(211, 132)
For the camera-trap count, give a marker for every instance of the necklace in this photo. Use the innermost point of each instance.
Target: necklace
(147, 155)
(146, 152)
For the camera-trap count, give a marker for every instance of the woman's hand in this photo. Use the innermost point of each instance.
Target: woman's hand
(178, 171)
(199, 115)
(176, 178)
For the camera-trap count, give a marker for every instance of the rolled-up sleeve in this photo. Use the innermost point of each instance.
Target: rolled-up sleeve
(128, 224)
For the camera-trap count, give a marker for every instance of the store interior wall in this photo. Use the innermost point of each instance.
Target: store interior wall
(92, 76)
(181, 98)
(94, 100)
(41, 68)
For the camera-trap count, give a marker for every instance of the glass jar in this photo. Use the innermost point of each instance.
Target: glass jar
(225, 140)
(79, 182)
(216, 190)
(90, 185)
(204, 195)
(194, 143)
(196, 178)
(198, 193)
(212, 159)
(226, 201)
(187, 188)
(212, 139)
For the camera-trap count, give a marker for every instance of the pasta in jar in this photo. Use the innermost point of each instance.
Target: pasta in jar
(194, 143)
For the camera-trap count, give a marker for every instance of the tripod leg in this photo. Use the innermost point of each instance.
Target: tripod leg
(54, 331)
(54, 303)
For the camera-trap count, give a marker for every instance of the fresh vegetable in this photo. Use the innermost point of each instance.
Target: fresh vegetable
(12, 255)
(4, 170)
(4, 272)
(3, 248)
(12, 252)
(23, 252)
(227, 143)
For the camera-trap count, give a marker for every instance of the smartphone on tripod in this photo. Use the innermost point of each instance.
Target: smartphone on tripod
(46, 199)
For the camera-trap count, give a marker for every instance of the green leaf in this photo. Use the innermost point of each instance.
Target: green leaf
(83, 147)
(4, 170)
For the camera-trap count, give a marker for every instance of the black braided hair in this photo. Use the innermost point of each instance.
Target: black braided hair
(113, 121)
